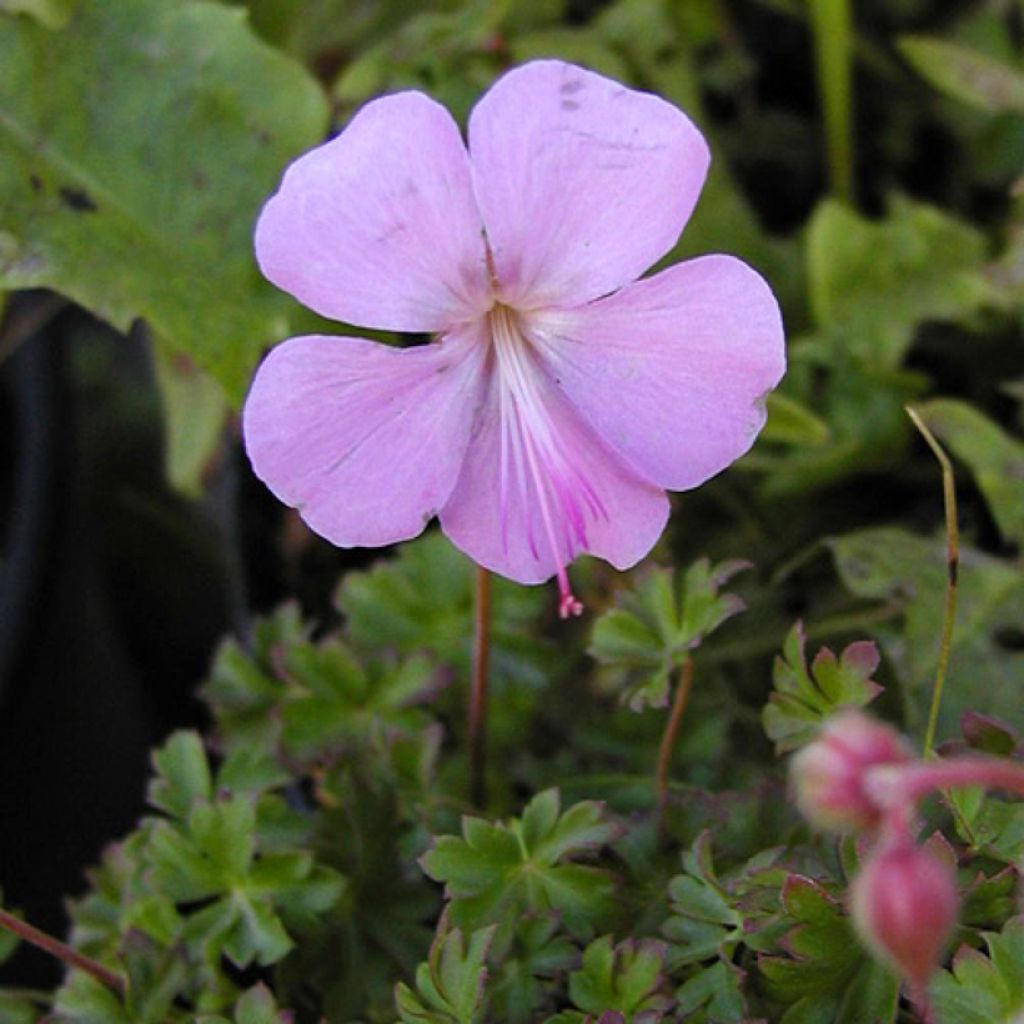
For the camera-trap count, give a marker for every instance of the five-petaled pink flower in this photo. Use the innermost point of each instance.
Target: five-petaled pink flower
(561, 396)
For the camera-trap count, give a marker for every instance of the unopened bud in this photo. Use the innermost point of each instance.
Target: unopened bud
(829, 774)
(904, 906)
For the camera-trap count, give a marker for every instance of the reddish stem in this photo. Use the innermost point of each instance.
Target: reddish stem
(901, 784)
(63, 952)
(668, 739)
(478, 690)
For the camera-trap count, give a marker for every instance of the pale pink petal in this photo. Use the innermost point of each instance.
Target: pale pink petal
(365, 440)
(379, 226)
(496, 514)
(582, 183)
(672, 371)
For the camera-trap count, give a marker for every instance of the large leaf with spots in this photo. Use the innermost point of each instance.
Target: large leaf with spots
(137, 145)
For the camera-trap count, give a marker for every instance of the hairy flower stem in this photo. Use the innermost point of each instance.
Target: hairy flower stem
(668, 739)
(478, 690)
(953, 566)
(62, 952)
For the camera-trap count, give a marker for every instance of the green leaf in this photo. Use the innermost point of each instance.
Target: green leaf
(499, 870)
(156, 977)
(17, 1008)
(537, 955)
(136, 147)
(909, 572)
(195, 411)
(872, 282)
(655, 624)
(628, 977)
(826, 976)
(802, 699)
(450, 985)
(790, 422)
(965, 74)
(422, 600)
(716, 993)
(257, 1006)
(51, 14)
(980, 989)
(995, 459)
(182, 775)
(84, 1000)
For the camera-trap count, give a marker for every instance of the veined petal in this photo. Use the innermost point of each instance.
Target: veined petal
(582, 183)
(538, 488)
(379, 226)
(365, 440)
(671, 371)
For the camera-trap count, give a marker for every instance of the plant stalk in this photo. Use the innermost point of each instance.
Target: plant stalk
(478, 690)
(62, 951)
(668, 739)
(952, 576)
(833, 35)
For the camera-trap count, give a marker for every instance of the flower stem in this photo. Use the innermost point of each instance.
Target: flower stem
(478, 690)
(910, 782)
(833, 34)
(668, 739)
(61, 951)
(952, 575)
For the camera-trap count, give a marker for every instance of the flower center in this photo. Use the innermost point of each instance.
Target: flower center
(533, 455)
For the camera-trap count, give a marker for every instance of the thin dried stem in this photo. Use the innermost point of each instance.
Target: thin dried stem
(478, 689)
(62, 952)
(668, 739)
(952, 575)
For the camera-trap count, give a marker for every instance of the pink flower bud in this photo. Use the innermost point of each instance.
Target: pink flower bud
(904, 906)
(829, 774)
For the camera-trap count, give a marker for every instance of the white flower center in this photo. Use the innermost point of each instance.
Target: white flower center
(533, 452)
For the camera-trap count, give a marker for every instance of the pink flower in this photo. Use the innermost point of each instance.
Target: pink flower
(831, 775)
(561, 396)
(904, 905)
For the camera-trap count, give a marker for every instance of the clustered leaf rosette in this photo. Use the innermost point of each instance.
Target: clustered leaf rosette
(560, 396)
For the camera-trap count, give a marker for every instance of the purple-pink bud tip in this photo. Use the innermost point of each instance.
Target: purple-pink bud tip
(829, 774)
(904, 906)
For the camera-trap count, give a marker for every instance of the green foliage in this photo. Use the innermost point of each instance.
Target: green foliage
(826, 977)
(995, 459)
(421, 601)
(965, 74)
(539, 955)
(52, 14)
(326, 700)
(450, 985)
(984, 989)
(802, 699)
(498, 870)
(871, 283)
(628, 977)
(122, 136)
(195, 413)
(910, 574)
(657, 623)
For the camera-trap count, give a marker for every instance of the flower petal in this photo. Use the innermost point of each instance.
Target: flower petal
(365, 440)
(379, 226)
(496, 514)
(672, 371)
(582, 183)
